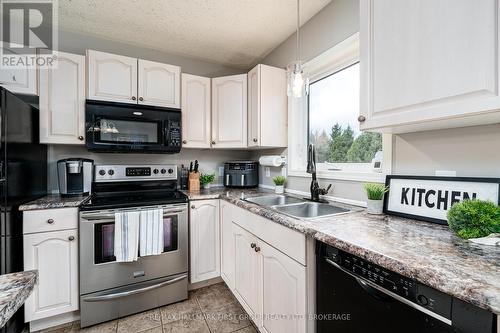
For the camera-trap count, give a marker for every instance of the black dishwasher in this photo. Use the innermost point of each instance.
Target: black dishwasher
(354, 295)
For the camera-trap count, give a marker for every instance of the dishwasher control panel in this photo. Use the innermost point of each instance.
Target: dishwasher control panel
(422, 295)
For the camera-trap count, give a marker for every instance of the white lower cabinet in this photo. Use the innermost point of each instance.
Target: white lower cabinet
(247, 270)
(227, 244)
(284, 290)
(204, 240)
(270, 285)
(55, 255)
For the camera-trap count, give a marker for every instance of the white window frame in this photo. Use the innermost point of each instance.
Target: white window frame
(341, 56)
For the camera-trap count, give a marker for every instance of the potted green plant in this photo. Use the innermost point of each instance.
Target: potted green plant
(474, 219)
(375, 193)
(207, 179)
(279, 182)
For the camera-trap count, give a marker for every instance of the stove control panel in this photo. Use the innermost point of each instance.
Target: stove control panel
(109, 173)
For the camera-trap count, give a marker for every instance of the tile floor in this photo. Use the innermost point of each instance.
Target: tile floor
(210, 309)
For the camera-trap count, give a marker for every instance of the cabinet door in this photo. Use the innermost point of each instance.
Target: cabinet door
(273, 107)
(254, 107)
(205, 240)
(267, 107)
(55, 256)
(111, 77)
(227, 243)
(22, 81)
(426, 61)
(159, 84)
(284, 289)
(247, 270)
(62, 101)
(229, 111)
(195, 111)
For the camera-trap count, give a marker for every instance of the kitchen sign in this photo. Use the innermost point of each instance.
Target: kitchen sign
(430, 198)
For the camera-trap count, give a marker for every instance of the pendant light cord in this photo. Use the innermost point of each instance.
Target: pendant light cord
(298, 26)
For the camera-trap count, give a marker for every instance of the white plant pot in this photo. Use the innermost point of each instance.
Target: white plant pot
(206, 186)
(375, 207)
(279, 189)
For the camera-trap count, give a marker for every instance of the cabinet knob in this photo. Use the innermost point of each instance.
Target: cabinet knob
(81, 138)
(133, 98)
(213, 142)
(71, 238)
(253, 245)
(50, 221)
(361, 119)
(193, 207)
(14, 78)
(141, 99)
(184, 141)
(254, 140)
(257, 249)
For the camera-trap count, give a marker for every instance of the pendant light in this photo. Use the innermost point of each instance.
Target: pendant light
(295, 71)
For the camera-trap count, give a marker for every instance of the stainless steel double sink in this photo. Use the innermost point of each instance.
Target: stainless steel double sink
(296, 207)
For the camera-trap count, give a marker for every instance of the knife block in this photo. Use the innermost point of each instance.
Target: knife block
(194, 181)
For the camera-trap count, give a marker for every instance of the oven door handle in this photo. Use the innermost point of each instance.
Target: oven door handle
(367, 283)
(111, 217)
(113, 296)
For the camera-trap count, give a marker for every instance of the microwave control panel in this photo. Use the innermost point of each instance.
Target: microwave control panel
(174, 134)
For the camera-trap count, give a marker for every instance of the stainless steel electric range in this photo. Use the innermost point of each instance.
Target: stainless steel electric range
(110, 289)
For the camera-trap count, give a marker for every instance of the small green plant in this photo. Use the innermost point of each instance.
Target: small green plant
(279, 180)
(474, 218)
(375, 191)
(207, 178)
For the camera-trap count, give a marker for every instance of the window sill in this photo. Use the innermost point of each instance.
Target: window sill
(344, 175)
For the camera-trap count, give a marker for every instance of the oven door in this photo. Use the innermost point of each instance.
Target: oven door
(127, 128)
(98, 268)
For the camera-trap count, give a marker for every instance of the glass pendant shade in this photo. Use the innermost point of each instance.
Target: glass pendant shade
(296, 79)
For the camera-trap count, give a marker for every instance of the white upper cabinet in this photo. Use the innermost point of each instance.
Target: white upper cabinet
(267, 107)
(229, 111)
(62, 101)
(111, 77)
(159, 84)
(22, 81)
(196, 115)
(204, 240)
(429, 64)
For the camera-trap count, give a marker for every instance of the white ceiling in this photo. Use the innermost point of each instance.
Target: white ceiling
(237, 33)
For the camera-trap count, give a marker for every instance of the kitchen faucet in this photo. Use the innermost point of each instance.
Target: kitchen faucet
(316, 191)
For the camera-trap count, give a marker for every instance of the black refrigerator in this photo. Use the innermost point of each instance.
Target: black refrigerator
(23, 177)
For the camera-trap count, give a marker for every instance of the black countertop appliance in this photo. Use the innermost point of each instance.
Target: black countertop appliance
(241, 174)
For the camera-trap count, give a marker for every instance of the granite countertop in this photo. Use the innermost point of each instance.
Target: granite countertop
(427, 252)
(14, 289)
(54, 201)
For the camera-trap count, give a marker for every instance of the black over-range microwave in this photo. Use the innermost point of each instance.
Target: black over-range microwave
(121, 128)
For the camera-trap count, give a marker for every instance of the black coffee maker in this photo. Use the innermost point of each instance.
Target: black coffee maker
(75, 176)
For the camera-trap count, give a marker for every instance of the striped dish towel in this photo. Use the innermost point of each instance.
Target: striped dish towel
(126, 236)
(151, 233)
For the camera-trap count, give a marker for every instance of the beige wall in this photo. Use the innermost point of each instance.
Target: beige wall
(77, 43)
(470, 151)
(209, 160)
(333, 24)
